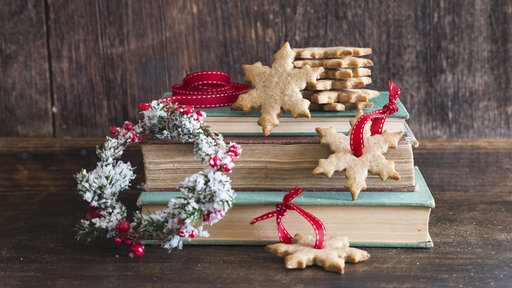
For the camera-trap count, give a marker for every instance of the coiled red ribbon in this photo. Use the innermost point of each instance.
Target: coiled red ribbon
(207, 89)
(280, 212)
(378, 117)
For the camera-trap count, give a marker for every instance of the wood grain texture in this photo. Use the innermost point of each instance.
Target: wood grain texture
(471, 227)
(25, 99)
(451, 58)
(471, 235)
(49, 164)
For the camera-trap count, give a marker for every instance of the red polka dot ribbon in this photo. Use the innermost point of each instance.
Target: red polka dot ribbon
(207, 89)
(378, 117)
(280, 212)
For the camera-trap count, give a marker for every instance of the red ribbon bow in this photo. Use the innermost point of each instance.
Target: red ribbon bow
(378, 117)
(207, 89)
(280, 212)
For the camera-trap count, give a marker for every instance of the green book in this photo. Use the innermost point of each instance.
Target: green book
(228, 122)
(376, 219)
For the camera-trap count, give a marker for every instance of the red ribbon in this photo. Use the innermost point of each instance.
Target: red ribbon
(280, 212)
(378, 117)
(207, 89)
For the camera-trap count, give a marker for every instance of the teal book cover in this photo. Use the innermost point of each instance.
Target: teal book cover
(378, 102)
(420, 197)
(375, 219)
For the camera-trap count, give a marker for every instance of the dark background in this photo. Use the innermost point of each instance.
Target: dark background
(73, 68)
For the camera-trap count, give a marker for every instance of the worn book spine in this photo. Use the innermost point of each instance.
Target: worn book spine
(269, 163)
(379, 219)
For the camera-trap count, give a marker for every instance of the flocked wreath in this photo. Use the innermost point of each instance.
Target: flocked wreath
(205, 196)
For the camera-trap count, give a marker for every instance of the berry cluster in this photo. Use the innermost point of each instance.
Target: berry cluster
(129, 132)
(123, 228)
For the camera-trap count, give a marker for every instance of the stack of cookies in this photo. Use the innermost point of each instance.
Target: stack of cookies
(341, 84)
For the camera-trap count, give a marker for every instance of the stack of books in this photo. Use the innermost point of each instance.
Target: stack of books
(391, 213)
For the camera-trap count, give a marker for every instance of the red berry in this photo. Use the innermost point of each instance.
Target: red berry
(235, 150)
(227, 167)
(118, 240)
(214, 161)
(199, 115)
(187, 110)
(134, 138)
(220, 214)
(94, 208)
(113, 130)
(128, 242)
(90, 216)
(137, 249)
(123, 226)
(128, 126)
(144, 106)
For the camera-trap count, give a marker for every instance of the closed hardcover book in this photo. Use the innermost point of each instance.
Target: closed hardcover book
(375, 219)
(228, 122)
(269, 163)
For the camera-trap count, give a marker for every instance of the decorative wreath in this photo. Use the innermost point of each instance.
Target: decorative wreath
(205, 196)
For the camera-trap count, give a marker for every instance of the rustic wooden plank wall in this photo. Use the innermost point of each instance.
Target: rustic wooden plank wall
(25, 98)
(73, 68)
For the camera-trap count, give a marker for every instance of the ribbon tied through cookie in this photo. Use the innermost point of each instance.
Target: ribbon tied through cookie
(207, 89)
(378, 117)
(280, 212)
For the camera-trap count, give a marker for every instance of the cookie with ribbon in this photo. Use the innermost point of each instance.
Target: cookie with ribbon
(331, 257)
(277, 89)
(363, 150)
(280, 212)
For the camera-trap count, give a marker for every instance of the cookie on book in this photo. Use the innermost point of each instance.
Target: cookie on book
(332, 257)
(358, 105)
(356, 168)
(344, 73)
(330, 52)
(277, 89)
(327, 107)
(346, 62)
(350, 83)
(340, 96)
(339, 106)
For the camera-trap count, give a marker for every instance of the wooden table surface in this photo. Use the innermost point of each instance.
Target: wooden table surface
(471, 227)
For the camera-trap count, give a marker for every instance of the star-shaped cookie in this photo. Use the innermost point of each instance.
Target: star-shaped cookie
(277, 89)
(356, 168)
(331, 257)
